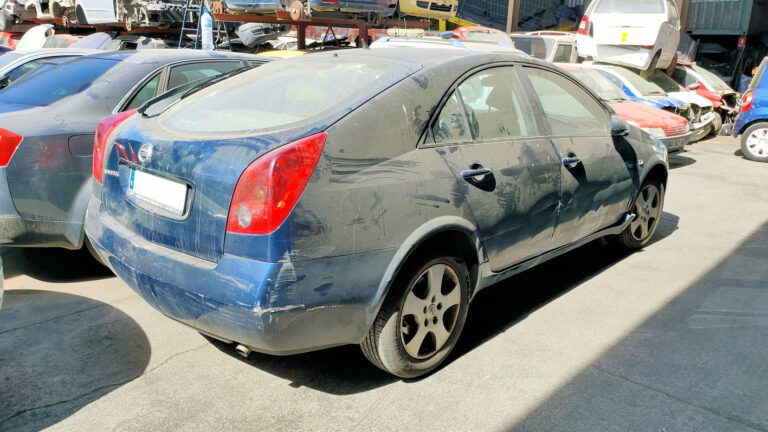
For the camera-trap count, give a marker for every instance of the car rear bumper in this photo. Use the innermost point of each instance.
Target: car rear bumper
(17, 231)
(276, 308)
(676, 143)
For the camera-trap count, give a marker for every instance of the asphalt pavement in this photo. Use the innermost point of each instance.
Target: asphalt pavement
(670, 338)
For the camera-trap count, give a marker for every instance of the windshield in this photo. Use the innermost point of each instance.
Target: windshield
(712, 79)
(630, 7)
(282, 93)
(605, 89)
(54, 84)
(758, 75)
(665, 82)
(9, 58)
(537, 47)
(644, 87)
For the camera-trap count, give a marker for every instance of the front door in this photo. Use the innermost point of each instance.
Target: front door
(596, 181)
(507, 170)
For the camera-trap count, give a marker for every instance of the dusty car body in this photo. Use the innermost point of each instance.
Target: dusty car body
(642, 34)
(378, 8)
(47, 124)
(284, 229)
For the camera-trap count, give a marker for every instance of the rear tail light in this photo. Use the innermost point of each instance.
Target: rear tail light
(9, 141)
(330, 1)
(583, 25)
(103, 131)
(746, 102)
(271, 185)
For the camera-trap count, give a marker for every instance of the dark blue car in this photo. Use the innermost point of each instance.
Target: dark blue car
(364, 197)
(752, 121)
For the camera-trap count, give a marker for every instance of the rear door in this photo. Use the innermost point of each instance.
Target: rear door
(595, 181)
(622, 22)
(508, 171)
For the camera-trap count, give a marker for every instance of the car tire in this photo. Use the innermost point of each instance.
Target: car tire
(672, 64)
(651, 66)
(419, 323)
(6, 21)
(647, 207)
(754, 142)
(717, 124)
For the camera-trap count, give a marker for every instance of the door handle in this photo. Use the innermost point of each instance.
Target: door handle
(475, 172)
(571, 162)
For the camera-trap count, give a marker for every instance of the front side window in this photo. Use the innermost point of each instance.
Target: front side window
(683, 77)
(568, 108)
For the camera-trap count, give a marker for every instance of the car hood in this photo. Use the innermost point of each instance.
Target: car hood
(646, 116)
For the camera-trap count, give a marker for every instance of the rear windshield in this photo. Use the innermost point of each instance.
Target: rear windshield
(665, 82)
(605, 89)
(54, 84)
(630, 7)
(758, 75)
(283, 93)
(713, 80)
(533, 46)
(644, 87)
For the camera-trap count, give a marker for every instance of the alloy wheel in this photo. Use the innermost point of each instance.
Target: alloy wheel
(430, 311)
(757, 143)
(647, 211)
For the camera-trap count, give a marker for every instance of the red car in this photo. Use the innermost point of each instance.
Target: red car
(485, 34)
(671, 129)
(725, 100)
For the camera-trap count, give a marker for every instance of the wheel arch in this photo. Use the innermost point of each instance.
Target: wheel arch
(446, 231)
(750, 124)
(657, 172)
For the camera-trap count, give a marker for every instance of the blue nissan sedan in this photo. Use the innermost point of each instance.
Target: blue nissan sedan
(364, 197)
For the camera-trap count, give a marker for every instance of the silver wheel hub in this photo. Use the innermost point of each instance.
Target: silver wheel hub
(757, 142)
(430, 310)
(647, 212)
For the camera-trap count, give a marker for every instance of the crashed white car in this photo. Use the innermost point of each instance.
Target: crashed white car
(14, 10)
(642, 34)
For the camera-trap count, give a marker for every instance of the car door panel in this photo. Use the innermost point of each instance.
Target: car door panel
(596, 183)
(509, 174)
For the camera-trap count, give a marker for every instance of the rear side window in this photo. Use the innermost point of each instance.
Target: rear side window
(563, 54)
(144, 94)
(758, 75)
(568, 108)
(189, 72)
(283, 93)
(533, 46)
(451, 125)
(47, 87)
(630, 7)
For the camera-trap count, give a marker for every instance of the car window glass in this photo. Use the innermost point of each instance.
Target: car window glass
(568, 108)
(711, 78)
(602, 86)
(451, 125)
(644, 87)
(144, 94)
(74, 77)
(185, 73)
(38, 65)
(630, 7)
(666, 83)
(758, 75)
(531, 45)
(683, 77)
(563, 54)
(496, 106)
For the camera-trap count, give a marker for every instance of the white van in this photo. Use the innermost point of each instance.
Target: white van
(642, 34)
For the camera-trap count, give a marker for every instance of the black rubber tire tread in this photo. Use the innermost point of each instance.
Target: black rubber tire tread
(625, 240)
(717, 124)
(745, 135)
(371, 345)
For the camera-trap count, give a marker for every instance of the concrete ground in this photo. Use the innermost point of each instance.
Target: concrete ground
(671, 338)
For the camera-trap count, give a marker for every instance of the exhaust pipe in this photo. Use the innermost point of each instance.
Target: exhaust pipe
(243, 350)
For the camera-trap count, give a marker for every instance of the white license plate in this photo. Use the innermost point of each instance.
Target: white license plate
(166, 194)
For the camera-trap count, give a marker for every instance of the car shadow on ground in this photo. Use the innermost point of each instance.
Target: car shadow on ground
(698, 363)
(53, 264)
(677, 160)
(49, 365)
(344, 370)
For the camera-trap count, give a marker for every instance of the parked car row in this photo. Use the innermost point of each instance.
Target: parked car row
(247, 206)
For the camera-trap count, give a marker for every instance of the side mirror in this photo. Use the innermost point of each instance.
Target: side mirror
(619, 126)
(693, 86)
(4, 82)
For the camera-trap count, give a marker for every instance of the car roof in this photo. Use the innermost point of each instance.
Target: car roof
(428, 58)
(54, 52)
(430, 42)
(169, 55)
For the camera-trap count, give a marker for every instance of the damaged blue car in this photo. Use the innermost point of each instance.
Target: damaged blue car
(364, 197)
